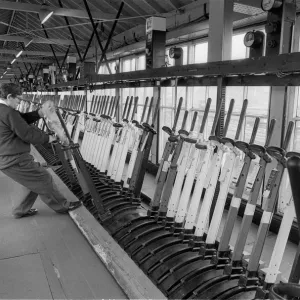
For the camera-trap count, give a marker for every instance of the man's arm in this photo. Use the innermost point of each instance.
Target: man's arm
(31, 117)
(25, 132)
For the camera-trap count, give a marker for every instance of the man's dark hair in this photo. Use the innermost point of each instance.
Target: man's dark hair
(9, 88)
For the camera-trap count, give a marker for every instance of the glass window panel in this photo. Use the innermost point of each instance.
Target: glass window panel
(198, 121)
(138, 115)
(199, 97)
(180, 120)
(140, 92)
(167, 96)
(132, 64)
(141, 64)
(181, 92)
(258, 97)
(185, 54)
(212, 93)
(236, 93)
(261, 132)
(201, 51)
(239, 50)
(126, 66)
(208, 126)
(234, 120)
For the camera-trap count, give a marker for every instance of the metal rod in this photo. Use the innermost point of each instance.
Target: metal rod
(95, 31)
(87, 49)
(65, 57)
(111, 34)
(52, 49)
(25, 67)
(71, 32)
(241, 120)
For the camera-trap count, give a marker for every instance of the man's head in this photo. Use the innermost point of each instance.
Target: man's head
(11, 94)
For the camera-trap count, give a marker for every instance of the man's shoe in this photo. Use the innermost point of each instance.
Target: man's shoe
(31, 212)
(74, 205)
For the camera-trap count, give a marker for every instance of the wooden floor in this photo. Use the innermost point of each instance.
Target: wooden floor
(47, 257)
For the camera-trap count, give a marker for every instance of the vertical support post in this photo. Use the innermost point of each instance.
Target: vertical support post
(64, 59)
(280, 26)
(71, 32)
(155, 58)
(52, 49)
(219, 48)
(96, 33)
(103, 54)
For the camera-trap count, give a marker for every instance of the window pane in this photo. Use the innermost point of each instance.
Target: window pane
(236, 93)
(199, 97)
(232, 128)
(239, 50)
(201, 51)
(212, 93)
(167, 96)
(126, 65)
(258, 97)
(261, 132)
(141, 63)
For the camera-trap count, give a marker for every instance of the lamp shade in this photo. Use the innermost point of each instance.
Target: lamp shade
(45, 14)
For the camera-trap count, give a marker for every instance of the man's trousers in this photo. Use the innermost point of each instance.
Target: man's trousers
(36, 181)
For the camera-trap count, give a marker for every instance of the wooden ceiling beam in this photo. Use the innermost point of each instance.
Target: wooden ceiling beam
(57, 11)
(13, 38)
(31, 53)
(29, 60)
(155, 6)
(175, 3)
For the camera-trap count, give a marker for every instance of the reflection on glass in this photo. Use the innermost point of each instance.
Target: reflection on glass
(201, 51)
(239, 50)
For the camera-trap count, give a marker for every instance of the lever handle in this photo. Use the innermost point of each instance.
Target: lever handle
(194, 121)
(254, 130)
(125, 107)
(177, 114)
(149, 111)
(93, 103)
(288, 135)
(241, 120)
(106, 106)
(110, 105)
(186, 113)
(216, 119)
(270, 132)
(113, 107)
(156, 111)
(144, 109)
(228, 118)
(205, 115)
(136, 99)
(129, 107)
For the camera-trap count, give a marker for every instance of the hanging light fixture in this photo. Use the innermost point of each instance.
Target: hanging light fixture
(19, 53)
(45, 13)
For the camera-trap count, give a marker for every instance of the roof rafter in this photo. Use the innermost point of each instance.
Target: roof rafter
(154, 5)
(63, 12)
(13, 38)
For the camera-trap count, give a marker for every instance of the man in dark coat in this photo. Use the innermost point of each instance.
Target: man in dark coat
(16, 135)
